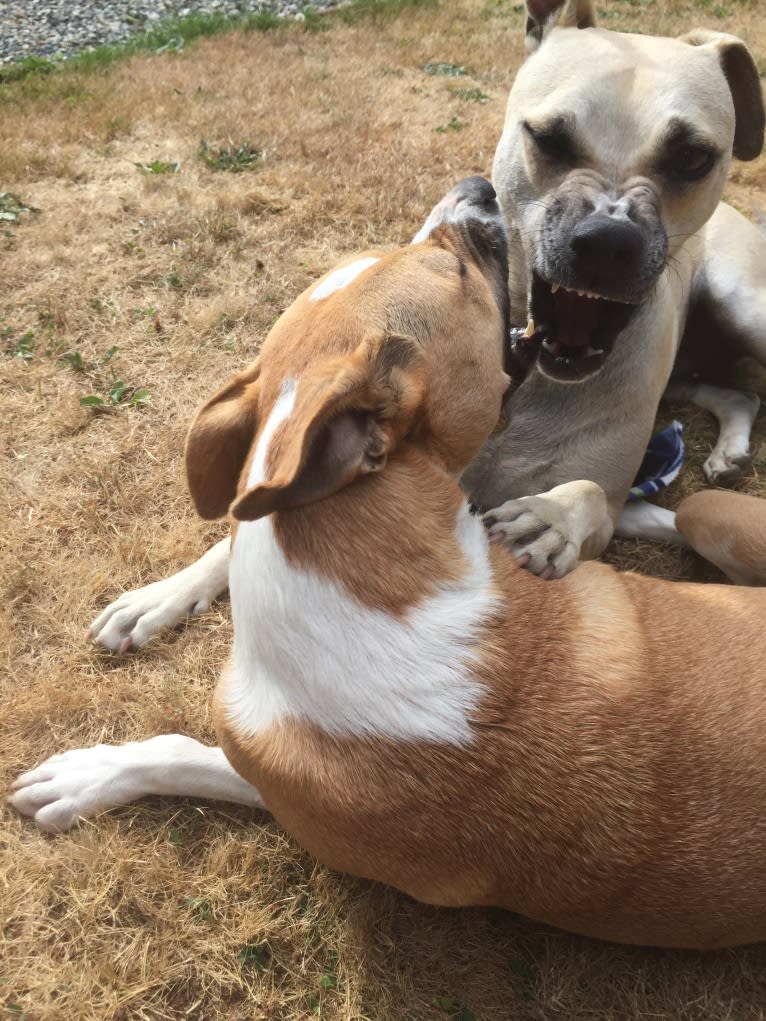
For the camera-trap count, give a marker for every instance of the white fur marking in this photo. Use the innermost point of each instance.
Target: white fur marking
(281, 411)
(341, 278)
(304, 648)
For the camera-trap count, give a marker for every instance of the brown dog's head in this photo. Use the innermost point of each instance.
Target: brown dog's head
(387, 349)
(614, 153)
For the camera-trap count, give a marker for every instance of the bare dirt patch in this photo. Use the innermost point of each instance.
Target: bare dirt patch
(178, 909)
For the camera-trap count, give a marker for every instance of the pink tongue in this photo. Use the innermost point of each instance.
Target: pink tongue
(576, 318)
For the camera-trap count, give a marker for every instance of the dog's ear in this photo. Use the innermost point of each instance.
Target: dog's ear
(219, 441)
(348, 415)
(543, 15)
(745, 84)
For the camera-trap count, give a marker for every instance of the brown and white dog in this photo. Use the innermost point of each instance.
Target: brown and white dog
(406, 700)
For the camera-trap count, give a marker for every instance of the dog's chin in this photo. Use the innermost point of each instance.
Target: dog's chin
(575, 330)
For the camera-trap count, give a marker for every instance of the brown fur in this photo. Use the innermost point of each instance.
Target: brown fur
(614, 782)
(617, 797)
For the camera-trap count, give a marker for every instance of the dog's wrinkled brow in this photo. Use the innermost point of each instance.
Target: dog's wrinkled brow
(556, 136)
(679, 133)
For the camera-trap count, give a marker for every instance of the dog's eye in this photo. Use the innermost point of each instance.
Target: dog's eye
(553, 142)
(691, 162)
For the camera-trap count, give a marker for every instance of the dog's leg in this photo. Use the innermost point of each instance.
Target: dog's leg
(736, 412)
(642, 520)
(82, 782)
(548, 533)
(137, 616)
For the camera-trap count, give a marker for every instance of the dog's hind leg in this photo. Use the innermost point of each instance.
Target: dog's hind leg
(643, 520)
(728, 529)
(130, 621)
(83, 782)
(736, 411)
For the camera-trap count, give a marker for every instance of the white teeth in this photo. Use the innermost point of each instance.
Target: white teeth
(580, 294)
(530, 328)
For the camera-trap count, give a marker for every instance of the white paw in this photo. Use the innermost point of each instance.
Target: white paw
(535, 533)
(76, 785)
(724, 466)
(130, 621)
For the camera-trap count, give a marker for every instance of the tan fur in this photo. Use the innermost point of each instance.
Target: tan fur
(730, 530)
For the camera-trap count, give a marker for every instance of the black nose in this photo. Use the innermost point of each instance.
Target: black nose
(477, 190)
(605, 249)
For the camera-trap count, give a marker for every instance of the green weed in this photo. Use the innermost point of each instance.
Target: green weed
(453, 124)
(470, 95)
(23, 347)
(255, 954)
(456, 1010)
(159, 167)
(119, 394)
(234, 158)
(12, 207)
(202, 910)
(447, 70)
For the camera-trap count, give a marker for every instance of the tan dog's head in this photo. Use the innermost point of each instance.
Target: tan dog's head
(615, 151)
(387, 349)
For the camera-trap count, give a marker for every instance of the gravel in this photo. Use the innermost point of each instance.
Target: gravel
(57, 29)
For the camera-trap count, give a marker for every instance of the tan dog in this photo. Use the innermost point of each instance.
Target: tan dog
(609, 171)
(410, 704)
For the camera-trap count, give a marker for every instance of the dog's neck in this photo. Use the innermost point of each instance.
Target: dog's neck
(358, 613)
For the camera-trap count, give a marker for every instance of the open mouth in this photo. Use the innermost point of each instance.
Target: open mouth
(574, 330)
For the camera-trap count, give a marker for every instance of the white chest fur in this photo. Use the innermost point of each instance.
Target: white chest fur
(305, 648)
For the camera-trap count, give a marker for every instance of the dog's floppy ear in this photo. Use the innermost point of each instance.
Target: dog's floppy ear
(219, 441)
(543, 15)
(745, 84)
(348, 415)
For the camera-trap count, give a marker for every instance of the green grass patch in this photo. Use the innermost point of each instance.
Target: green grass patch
(168, 37)
(444, 69)
(174, 34)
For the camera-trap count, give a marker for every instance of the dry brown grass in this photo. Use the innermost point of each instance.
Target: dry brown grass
(142, 914)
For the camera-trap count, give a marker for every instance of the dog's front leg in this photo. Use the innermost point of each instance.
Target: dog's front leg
(130, 621)
(83, 782)
(548, 533)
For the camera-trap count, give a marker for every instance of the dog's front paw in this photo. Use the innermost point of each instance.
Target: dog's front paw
(76, 785)
(130, 621)
(533, 530)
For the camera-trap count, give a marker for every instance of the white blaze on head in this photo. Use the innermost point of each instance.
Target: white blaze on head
(279, 413)
(342, 277)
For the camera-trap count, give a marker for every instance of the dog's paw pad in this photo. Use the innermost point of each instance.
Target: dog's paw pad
(536, 543)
